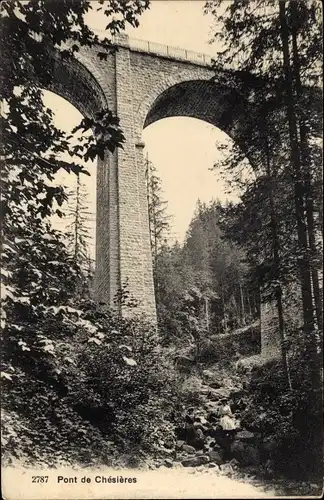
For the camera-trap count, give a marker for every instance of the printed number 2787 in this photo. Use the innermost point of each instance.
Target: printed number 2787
(39, 479)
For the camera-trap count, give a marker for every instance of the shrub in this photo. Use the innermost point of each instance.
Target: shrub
(290, 420)
(103, 387)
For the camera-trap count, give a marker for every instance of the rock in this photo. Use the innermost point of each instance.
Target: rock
(212, 465)
(250, 456)
(218, 394)
(195, 461)
(168, 463)
(200, 434)
(269, 469)
(234, 462)
(179, 444)
(216, 456)
(209, 444)
(210, 406)
(268, 447)
(199, 453)
(237, 450)
(188, 449)
(219, 437)
(189, 462)
(227, 468)
(215, 385)
(203, 459)
(245, 435)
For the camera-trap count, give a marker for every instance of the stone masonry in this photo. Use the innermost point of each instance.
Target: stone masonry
(142, 84)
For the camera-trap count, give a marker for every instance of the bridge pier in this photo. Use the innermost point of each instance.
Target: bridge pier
(123, 237)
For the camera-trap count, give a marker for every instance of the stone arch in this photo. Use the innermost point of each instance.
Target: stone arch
(150, 97)
(75, 80)
(204, 98)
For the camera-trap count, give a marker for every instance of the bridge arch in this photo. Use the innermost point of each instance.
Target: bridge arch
(213, 100)
(205, 100)
(75, 80)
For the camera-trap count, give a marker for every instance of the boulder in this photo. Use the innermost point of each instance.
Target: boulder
(200, 421)
(214, 384)
(188, 449)
(197, 440)
(226, 468)
(268, 447)
(246, 453)
(179, 444)
(245, 435)
(203, 459)
(209, 444)
(237, 449)
(219, 437)
(204, 389)
(212, 465)
(218, 394)
(216, 456)
(189, 462)
(251, 456)
(195, 461)
(168, 463)
(234, 462)
(208, 374)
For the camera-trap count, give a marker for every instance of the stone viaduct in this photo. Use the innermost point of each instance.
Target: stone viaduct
(142, 82)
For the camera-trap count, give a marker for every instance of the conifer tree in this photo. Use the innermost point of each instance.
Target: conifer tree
(79, 220)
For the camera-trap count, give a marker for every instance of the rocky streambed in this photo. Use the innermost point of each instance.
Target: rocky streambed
(200, 448)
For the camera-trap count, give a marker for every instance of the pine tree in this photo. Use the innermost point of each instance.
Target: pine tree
(159, 220)
(79, 220)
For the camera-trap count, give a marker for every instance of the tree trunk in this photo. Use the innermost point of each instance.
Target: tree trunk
(249, 305)
(276, 261)
(77, 220)
(306, 163)
(224, 312)
(242, 306)
(303, 261)
(304, 267)
(207, 313)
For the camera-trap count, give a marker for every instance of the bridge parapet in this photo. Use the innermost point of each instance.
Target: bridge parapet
(170, 52)
(159, 49)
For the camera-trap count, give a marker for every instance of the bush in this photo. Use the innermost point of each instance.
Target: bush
(103, 388)
(290, 420)
(244, 342)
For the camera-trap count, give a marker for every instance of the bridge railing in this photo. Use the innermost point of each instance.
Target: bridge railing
(167, 51)
(140, 45)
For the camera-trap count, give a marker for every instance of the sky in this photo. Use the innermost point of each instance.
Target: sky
(185, 164)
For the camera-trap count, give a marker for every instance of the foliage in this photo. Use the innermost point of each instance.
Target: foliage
(158, 219)
(71, 390)
(205, 285)
(77, 230)
(289, 421)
